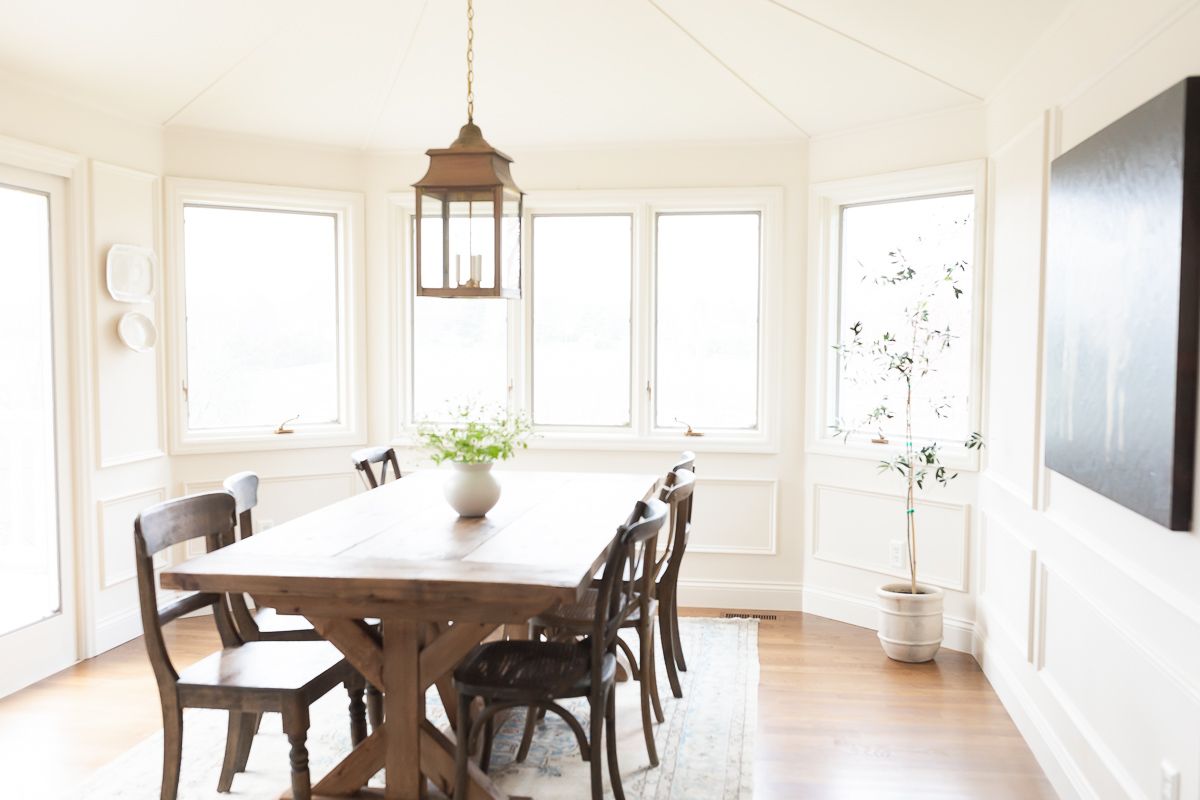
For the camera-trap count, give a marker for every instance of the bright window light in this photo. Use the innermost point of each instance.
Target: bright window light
(582, 268)
(708, 275)
(877, 240)
(262, 317)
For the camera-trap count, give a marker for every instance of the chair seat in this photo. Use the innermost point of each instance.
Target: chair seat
(281, 666)
(522, 668)
(580, 615)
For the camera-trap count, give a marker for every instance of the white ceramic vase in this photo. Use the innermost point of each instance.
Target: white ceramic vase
(910, 625)
(471, 489)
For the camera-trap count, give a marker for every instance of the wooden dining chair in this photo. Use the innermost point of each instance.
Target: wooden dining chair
(573, 621)
(678, 493)
(383, 456)
(537, 674)
(264, 624)
(245, 678)
(668, 581)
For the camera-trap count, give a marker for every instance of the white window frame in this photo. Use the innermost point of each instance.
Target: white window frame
(826, 201)
(643, 206)
(347, 208)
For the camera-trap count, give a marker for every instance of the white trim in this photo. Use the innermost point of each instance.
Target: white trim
(118, 629)
(757, 595)
(772, 546)
(825, 201)
(348, 207)
(959, 584)
(642, 205)
(854, 610)
(106, 581)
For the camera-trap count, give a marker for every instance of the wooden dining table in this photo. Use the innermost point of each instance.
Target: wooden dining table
(438, 582)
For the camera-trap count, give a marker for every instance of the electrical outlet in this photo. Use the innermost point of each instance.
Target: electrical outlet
(1170, 782)
(896, 552)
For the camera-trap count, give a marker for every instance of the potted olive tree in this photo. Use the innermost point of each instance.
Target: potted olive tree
(472, 442)
(910, 623)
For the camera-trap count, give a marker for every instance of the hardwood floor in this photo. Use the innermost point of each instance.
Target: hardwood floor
(837, 719)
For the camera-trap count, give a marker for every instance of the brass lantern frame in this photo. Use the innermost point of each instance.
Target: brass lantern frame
(468, 170)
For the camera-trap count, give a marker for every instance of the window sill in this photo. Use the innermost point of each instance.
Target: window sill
(617, 441)
(954, 455)
(265, 439)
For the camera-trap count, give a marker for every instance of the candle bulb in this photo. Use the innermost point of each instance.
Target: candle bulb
(476, 270)
(458, 273)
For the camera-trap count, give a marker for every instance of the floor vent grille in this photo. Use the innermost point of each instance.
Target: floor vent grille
(765, 617)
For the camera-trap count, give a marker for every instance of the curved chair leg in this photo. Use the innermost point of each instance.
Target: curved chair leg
(244, 752)
(634, 671)
(678, 646)
(647, 726)
(462, 748)
(614, 769)
(358, 713)
(237, 740)
(531, 718)
(172, 750)
(295, 725)
(651, 666)
(597, 729)
(666, 633)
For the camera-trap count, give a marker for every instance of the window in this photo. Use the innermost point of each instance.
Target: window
(886, 244)
(582, 273)
(266, 326)
(707, 320)
(642, 312)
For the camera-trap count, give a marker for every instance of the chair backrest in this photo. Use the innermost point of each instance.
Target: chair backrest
(364, 458)
(244, 488)
(677, 492)
(687, 460)
(208, 516)
(625, 583)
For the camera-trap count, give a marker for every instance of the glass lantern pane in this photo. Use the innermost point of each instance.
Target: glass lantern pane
(510, 241)
(472, 244)
(431, 242)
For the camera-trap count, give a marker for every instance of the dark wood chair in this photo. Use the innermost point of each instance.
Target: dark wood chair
(264, 624)
(245, 678)
(573, 621)
(677, 492)
(383, 456)
(537, 674)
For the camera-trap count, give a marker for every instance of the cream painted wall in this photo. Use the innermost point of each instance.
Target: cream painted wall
(1089, 615)
(120, 463)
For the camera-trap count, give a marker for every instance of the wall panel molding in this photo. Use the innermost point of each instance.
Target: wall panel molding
(767, 544)
(114, 518)
(956, 531)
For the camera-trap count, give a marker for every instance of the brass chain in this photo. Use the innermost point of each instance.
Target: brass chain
(470, 61)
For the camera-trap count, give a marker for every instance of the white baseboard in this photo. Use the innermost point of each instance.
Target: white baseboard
(1052, 755)
(758, 595)
(863, 612)
(117, 630)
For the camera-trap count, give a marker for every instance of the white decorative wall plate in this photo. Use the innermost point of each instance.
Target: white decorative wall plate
(137, 331)
(130, 273)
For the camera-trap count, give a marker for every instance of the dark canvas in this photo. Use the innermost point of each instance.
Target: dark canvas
(1121, 309)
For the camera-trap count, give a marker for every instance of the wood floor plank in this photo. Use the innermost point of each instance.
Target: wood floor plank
(836, 718)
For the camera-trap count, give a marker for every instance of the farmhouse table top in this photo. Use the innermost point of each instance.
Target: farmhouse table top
(439, 583)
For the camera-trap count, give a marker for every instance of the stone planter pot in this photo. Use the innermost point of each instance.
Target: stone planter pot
(910, 626)
(471, 489)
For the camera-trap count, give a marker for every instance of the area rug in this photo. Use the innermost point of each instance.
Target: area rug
(705, 744)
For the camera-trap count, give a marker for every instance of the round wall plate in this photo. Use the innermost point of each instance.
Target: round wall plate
(137, 331)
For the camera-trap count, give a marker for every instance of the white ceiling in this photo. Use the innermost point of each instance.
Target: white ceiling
(389, 74)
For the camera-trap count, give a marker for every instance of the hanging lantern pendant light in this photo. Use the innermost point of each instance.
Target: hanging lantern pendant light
(469, 212)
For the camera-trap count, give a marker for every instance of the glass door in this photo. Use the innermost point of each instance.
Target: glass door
(38, 633)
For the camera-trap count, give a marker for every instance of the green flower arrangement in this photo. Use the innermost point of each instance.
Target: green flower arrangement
(474, 436)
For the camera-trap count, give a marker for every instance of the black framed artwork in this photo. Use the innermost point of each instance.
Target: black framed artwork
(1122, 308)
